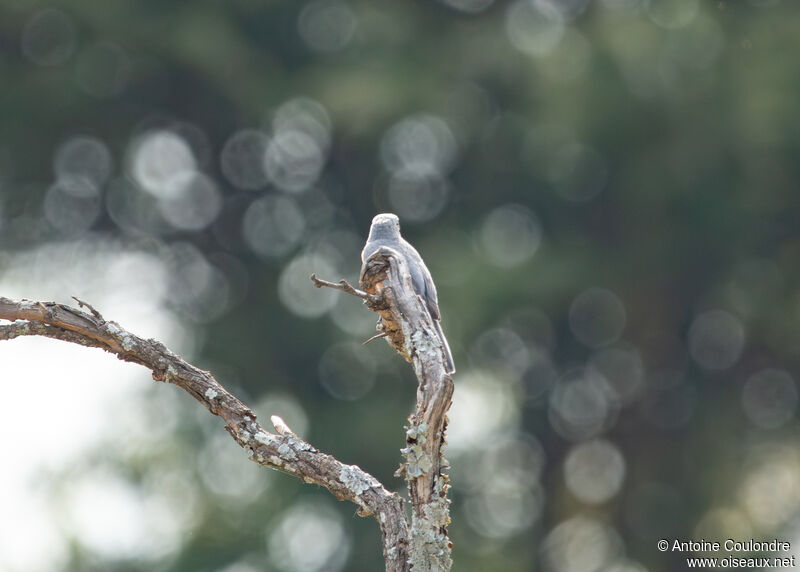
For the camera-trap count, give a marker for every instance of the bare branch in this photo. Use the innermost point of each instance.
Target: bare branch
(409, 328)
(284, 451)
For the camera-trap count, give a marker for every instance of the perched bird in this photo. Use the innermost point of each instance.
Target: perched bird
(385, 231)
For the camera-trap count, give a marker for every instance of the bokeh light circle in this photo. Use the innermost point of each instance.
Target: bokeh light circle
(293, 161)
(769, 398)
(768, 492)
(72, 205)
(83, 156)
(622, 368)
(499, 348)
(510, 235)
(227, 473)
(242, 159)
(580, 406)
(197, 289)
(309, 537)
(503, 511)
(326, 25)
(423, 144)
(273, 225)
(594, 471)
(716, 339)
(534, 27)
(305, 115)
(161, 162)
(484, 395)
(580, 544)
(298, 293)
(195, 205)
(416, 196)
(49, 38)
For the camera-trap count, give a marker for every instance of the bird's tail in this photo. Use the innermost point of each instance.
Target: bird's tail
(448, 356)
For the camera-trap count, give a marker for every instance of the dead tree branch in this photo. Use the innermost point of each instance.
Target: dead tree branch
(283, 451)
(407, 326)
(409, 329)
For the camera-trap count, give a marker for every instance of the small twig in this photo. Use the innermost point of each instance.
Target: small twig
(375, 337)
(83, 304)
(344, 286)
(280, 426)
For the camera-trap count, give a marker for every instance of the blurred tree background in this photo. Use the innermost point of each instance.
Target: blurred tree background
(606, 193)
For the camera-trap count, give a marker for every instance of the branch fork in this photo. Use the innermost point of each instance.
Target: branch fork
(420, 543)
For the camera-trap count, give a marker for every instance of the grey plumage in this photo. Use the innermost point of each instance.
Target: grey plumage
(385, 231)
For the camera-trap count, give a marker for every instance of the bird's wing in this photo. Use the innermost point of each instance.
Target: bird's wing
(431, 298)
(421, 278)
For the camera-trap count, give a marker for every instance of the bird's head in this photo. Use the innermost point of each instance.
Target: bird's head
(384, 225)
